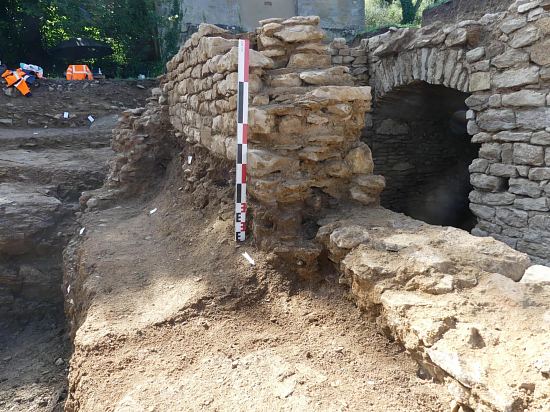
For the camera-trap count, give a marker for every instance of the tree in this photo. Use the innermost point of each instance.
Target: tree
(409, 9)
(30, 28)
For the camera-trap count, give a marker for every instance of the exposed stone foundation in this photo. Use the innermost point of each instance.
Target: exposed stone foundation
(314, 194)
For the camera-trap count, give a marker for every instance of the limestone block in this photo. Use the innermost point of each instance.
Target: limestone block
(338, 168)
(340, 94)
(510, 58)
(487, 183)
(525, 37)
(539, 52)
(357, 193)
(268, 41)
(516, 77)
(502, 170)
(311, 20)
(371, 184)
(213, 46)
(299, 33)
(482, 137)
(483, 212)
(539, 173)
(512, 217)
(312, 48)
(309, 61)
(492, 199)
(457, 37)
(507, 136)
(480, 81)
(541, 138)
(540, 204)
(340, 109)
(359, 160)
(477, 101)
(540, 222)
(494, 120)
(491, 151)
(524, 187)
(291, 125)
(286, 80)
(524, 98)
(262, 162)
(317, 153)
(536, 274)
(479, 166)
(270, 28)
(534, 119)
(526, 154)
(260, 121)
(348, 237)
(270, 20)
(475, 55)
(316, 119)
(338, 75)
(271, 53)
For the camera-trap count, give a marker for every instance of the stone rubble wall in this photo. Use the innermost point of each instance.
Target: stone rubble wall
(142, 144)
(502, 61)
(305, 119)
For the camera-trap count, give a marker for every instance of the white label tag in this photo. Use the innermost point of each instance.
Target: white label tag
(91, 119)
(65, 115)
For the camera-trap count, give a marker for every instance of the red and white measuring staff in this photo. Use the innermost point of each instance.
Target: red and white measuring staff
(242, 138)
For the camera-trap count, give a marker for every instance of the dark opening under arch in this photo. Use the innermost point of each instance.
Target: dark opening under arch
(419, 141)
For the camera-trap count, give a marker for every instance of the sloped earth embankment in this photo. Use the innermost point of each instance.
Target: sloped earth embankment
(168, 316)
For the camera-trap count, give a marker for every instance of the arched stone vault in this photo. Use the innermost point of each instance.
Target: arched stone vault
(502, 59)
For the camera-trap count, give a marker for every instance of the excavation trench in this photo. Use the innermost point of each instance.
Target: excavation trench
(43, 171)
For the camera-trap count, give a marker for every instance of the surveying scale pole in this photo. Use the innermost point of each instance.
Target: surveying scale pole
(242, 138)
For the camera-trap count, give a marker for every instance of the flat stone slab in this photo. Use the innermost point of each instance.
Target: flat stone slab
(97, 135)
(25, 211)
(454, 301)
(55, 166)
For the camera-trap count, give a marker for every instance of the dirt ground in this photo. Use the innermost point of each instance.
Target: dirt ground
(33, 364)
(172, 317)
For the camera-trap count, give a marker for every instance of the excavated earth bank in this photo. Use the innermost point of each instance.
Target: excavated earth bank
(167, 315)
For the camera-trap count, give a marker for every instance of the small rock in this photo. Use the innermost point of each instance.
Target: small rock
(59, 362)
(536, 274)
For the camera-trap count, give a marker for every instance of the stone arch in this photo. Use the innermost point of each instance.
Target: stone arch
(405, 58)
(502, 60)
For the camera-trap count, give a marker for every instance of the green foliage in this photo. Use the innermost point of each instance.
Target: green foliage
(398, 13)
(32, 27)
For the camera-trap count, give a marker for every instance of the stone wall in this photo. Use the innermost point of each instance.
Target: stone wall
(305, 121)
(500, 60)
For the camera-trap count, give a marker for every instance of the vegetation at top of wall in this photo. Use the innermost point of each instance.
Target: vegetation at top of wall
(397, 13)
(31, 28)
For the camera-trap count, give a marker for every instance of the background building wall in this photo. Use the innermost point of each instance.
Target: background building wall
(340, 18)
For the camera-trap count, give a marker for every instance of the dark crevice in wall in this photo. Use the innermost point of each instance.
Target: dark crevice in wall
(419, 141)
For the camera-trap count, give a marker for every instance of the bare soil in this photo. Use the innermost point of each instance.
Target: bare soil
(172, 317)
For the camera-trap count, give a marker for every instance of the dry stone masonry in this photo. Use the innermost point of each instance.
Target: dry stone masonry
(501, 60)
(305, 121)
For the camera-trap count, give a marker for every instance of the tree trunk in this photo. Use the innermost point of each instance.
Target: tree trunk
(409, 9)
